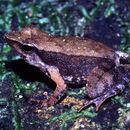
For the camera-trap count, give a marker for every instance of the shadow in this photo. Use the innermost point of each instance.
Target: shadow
(28, 72)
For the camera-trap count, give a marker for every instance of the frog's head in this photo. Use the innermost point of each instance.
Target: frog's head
(26, 43)
(26, 39)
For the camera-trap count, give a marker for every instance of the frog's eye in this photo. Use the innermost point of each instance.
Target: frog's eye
(27, 49)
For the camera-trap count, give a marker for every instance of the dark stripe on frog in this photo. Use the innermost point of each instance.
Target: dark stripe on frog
(76, 66)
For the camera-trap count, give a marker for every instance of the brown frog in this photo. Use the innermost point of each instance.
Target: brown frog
(73, 60)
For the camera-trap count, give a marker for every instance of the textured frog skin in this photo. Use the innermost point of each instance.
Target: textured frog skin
(72, 60)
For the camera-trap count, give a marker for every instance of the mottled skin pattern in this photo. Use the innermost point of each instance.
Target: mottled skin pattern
(72, 60)
(77, 67)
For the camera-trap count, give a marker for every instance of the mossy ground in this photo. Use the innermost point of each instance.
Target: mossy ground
(106, 21)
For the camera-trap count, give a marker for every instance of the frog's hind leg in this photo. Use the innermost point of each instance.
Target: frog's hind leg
(99, 100)
(60, 90)
(107, 85)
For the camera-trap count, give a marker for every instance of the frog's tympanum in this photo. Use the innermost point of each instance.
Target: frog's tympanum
(73, 60)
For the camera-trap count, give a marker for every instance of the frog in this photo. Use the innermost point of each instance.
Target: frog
(73, 60)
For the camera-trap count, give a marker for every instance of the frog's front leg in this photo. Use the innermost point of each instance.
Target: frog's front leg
(60, 90)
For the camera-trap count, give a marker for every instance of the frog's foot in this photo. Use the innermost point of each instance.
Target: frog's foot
(61, 88)
(39, 102)
(44, 103)
(99, 100)
(52, 100)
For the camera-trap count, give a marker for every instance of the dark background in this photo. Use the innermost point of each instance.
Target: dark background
(105, 21)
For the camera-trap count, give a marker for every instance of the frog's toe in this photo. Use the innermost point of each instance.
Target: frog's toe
(43, 103)
(34, 100)
(96, 102)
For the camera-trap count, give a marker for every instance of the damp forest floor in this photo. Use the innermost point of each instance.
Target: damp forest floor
(105, 21)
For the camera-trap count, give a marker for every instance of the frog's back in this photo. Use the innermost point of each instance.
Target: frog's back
(68, 45)
(75, 46)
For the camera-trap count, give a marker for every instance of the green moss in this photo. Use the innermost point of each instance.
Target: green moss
(70, 117)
